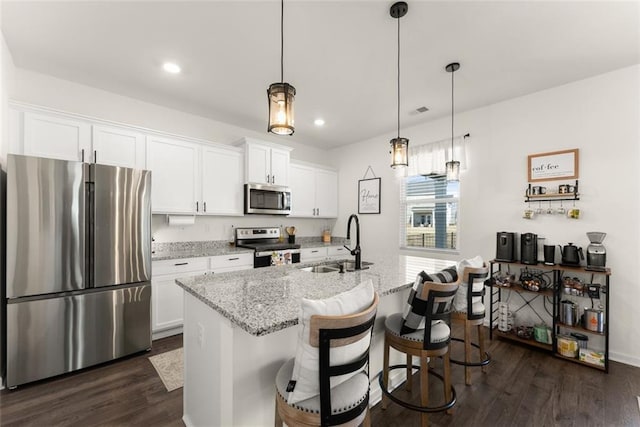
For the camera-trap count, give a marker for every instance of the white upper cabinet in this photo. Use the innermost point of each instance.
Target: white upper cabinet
(174, 175)
(326, 193)
(266, 163)
(72, 139)
(222, 181)
(117, 146)
(314, 192)
(55, 137)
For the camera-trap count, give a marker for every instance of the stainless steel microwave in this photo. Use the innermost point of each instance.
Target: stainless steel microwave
(267, 199)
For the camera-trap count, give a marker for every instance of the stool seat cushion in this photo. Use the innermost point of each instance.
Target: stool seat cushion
(307, 361)
(413, 312)
(440, 331)
(344, 396)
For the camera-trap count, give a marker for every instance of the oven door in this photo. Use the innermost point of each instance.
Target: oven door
(269, 258)
(267, 199)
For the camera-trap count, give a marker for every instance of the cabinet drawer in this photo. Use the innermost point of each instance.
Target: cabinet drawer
(235, 260)
(178, 266)
(338, 251)
(309, 254)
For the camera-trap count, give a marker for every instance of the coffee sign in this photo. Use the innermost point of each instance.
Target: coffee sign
(553, 166)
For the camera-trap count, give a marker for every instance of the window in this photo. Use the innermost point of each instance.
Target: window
(429, 212)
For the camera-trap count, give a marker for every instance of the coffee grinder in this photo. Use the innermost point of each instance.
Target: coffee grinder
(596, 253)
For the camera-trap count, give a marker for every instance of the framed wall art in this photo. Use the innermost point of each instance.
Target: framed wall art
(369, 196)
(553, 166)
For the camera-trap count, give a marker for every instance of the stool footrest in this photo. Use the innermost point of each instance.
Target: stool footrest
(483, 362)
(411, 406)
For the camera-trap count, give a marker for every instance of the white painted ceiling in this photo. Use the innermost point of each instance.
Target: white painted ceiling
(340, 55)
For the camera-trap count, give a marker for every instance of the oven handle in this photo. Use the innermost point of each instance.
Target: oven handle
(269, 253)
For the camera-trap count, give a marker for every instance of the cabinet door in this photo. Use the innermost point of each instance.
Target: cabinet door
(174, 175)
(302, 191)
(115, 146)
(222, 181)
(167, 303)
(56, 138)
(326, 190)
(258, 164)
(279, 167)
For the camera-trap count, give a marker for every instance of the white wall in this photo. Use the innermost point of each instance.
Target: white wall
(7, 74)
(599, 115)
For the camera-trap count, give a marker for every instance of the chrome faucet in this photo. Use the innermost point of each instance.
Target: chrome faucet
(355, 251)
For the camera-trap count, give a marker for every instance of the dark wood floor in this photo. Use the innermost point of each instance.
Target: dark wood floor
(522, 387)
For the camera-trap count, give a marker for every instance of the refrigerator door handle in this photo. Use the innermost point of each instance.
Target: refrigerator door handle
(90, 232)
(82, 151)
(95, 156)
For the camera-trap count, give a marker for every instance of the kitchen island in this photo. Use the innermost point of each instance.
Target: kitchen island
(240, 327)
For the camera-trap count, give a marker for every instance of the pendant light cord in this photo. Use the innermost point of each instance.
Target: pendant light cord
(281, 41)
(452, 73)
(398, 77)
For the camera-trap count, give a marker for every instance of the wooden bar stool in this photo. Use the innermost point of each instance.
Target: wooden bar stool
(473, 280)
(434, 302)
(345, 404)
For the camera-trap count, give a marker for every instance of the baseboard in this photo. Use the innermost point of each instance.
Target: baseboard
(625, 358)
(396, 377)
(187, 422)
(166, 333)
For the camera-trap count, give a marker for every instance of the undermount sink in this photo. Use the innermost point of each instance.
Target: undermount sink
(321, 269)
(335, 266)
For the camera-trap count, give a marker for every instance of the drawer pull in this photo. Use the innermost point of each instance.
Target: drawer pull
(182, 263)
(314, 252)
(233, 259)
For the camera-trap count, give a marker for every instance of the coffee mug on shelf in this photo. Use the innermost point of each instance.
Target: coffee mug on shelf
(528, 214)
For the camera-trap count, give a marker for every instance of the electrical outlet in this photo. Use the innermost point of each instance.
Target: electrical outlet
(593, 291)
(200, 335)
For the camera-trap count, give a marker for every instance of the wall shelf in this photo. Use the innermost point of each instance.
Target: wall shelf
(551, 197)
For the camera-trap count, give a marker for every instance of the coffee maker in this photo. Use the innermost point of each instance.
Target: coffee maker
(529, 248)
(596, 253)
(506, 246)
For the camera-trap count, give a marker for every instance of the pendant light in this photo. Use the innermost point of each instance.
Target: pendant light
(453, 167)
(399, 146)
(281, 95)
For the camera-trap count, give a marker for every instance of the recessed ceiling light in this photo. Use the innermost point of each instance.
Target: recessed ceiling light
(318, 122)
(172, 68)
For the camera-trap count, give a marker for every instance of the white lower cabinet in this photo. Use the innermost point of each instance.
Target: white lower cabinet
(234, 262)
(167, 301)
(167, 297)
(313, 254)
(338, 252)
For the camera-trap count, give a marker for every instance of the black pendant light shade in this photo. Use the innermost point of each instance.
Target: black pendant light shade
(281, 96)
(399, 146)
(453, 166)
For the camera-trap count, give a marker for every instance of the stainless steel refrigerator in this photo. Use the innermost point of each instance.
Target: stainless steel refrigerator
(78, 288)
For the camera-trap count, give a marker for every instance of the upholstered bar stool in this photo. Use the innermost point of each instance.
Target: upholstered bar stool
(328, 382)
(471, 292)
(432, 301)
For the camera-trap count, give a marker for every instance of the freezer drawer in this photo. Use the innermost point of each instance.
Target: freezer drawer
(51, 336)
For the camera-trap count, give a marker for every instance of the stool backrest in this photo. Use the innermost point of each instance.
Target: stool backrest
(475, 278)
(437, 299)
(336, 331)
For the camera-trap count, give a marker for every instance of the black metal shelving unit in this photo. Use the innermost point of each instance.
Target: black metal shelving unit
(556, 292)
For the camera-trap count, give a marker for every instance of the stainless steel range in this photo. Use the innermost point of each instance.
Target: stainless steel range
(270, 248)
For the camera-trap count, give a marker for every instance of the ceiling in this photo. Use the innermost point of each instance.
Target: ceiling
(340, 55)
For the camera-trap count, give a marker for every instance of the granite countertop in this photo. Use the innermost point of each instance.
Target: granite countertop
(197, 252)
(266, 300)
(181, 250)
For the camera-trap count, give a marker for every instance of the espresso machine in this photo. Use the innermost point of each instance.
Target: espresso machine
(596, 253)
